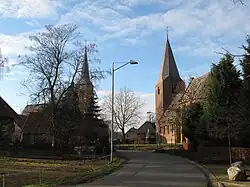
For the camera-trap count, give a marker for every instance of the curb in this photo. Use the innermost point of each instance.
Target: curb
(212, 181)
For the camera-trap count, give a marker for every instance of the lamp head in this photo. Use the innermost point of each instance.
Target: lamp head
(133, 62)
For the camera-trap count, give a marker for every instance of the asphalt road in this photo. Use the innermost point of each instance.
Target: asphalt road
(146, 169)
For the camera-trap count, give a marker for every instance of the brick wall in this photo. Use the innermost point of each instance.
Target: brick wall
(222, 153)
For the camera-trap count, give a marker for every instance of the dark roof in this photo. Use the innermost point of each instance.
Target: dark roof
(197, 89)
(169, 67)
(85, 75)
(131, 134)
(144, 128)
(131, 130)
(195, 92)
(6, 110)
(32, 108)
(36, 122)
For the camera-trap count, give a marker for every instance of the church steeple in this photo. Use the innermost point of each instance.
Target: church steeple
(85, 86)
(167, 87)
(85, 76)
(168, 67)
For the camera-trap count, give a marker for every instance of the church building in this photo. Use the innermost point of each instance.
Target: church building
(172, 95)
(168, 87)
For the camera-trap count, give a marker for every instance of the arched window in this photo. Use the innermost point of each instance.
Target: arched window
(158, 91)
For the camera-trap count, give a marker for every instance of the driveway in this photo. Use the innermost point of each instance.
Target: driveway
(147, 169)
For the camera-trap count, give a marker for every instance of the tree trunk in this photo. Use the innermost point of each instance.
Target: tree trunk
(123, 136)
(229, 149)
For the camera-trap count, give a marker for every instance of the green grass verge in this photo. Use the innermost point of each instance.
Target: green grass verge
(29, 172)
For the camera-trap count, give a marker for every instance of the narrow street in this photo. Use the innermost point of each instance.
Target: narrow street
(146, 169)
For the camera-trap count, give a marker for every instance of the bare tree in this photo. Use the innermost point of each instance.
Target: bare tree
(127, 106)
(54, 65)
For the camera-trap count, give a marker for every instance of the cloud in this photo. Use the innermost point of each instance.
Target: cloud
(207, 20)
(16, 44)
(13, 44)
(28, 8)
(33, 23)
(13, 72)
(199, 28)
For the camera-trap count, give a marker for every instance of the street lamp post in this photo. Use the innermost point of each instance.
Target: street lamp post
(112, 101)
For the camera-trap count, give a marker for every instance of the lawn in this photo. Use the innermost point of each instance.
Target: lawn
(220, 171)
(20, 172)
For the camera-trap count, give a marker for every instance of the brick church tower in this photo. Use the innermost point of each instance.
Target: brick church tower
(167, 87)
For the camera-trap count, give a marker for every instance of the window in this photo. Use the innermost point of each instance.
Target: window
(158, 91)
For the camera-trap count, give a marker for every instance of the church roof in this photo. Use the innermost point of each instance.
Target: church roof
(85, 76)
(169, 67)
(33, 108)
(36, 122)
(196, 91)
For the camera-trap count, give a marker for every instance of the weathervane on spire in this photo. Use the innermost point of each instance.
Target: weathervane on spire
(167, 32)
(85, 43)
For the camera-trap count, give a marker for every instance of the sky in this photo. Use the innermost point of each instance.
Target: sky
(125, 30)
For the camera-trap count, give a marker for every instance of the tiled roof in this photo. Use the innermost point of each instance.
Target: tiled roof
(196, 91)
(169, 67)
(131, 133)
(144, 128)
(32, 108)
(36, 122)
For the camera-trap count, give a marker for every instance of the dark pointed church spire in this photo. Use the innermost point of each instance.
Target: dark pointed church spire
(85, 66)
(169, 67)
(85, 75)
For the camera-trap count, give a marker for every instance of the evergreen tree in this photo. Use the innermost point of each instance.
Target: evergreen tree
(222, 112)
(92, 122)
(245, 64)
(191, 123)
(68, 118)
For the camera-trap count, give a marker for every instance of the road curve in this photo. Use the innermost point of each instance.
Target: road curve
(147, 169)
